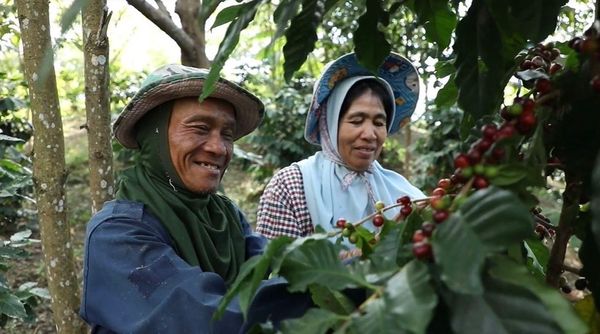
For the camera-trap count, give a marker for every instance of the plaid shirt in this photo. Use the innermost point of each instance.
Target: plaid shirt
(282, 209)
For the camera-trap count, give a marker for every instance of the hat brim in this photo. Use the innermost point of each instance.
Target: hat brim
(396, 70)
(249, 110)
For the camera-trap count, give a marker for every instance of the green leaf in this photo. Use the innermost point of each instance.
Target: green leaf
(11, 305)
(69, 16)
(314, 321)
(368, 34)
(301, 36)
(252, 272)
(383, 258)
(20, 236)
(509, 174)
(230, 13)
(537, 257)
(483, 65)
(489, 221)
(444, 68)
(446, 96)
(589, 314)
(317, 262)
(503, 308)
(510, 272)
(282, 15)
(11, 103)
(331, 300)
(10, 139)
(460, 255)
(227, 46)
(438, 20)
(376, 319)
(410, 297)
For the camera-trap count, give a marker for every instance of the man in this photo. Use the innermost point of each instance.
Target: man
(159, 258)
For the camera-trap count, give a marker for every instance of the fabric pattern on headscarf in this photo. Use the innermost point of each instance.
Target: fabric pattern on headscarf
(205, 228)
(333, 190)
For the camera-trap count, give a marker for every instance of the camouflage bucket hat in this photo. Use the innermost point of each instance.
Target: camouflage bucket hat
(171, 82)
(396, 70)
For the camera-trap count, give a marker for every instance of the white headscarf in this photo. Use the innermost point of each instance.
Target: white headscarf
(334, 191)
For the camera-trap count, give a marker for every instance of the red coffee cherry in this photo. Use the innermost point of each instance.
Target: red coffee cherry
(440, 216)
(444, 183)
(406, 210)
(378, 220)
(422, 250)
(340, 223)
(404, 200)
(461, 161)
(418, 236)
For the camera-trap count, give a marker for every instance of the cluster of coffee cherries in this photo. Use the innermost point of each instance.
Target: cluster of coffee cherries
(542, 57)
(440, 203)
(589, 45)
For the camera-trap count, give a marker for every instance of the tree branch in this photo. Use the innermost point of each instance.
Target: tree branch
(165, 23)
(162, 8)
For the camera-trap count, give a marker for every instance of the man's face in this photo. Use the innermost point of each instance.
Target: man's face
(201, 141)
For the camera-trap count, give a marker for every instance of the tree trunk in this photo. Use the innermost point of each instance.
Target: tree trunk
(49, 164)
(95, 19)
(193, 23)
(191, 37)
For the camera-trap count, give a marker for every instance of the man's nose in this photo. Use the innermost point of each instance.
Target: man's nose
(216, 145)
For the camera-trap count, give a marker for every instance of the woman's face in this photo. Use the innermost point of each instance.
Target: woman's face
(362, 131)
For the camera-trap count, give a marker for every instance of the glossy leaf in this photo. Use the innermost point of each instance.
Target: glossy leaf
(480, 79)
(11, 305)
(228, 44)
(537, 257)
(230, 13)
(437, 18)
(376, 319)
(410, 297)
(10, 139)
(489, 221)
(503, 309)
(282, 15)
(11, 103)
(301, 36)
(69, 16)
(317, 262)
(509, 174)
(314, 321)
(446, 96)
(252, 272)
(558, 307)
(368, 34)
(331, 300)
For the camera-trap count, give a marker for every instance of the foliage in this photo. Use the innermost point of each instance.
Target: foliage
(15, 172)
(482, 254)
(20, 303)
(471, 275)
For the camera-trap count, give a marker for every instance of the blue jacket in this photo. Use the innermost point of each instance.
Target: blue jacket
(134, 282)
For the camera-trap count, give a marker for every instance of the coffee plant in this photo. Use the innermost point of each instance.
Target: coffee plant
(470, 257)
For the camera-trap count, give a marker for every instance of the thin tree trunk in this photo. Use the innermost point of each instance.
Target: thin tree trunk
(193, 23)
(49, 164)
(95, 19)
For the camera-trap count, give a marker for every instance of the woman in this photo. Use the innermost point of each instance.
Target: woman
(351, 114)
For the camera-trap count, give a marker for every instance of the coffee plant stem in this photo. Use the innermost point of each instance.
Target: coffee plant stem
(564, 231)
(376, 294)
(548, 97)
(544, 222)
(574, 270)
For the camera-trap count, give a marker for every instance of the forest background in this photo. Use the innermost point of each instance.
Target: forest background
(423, 151)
